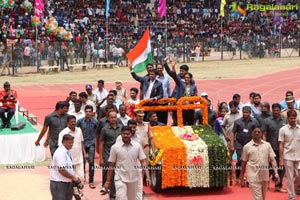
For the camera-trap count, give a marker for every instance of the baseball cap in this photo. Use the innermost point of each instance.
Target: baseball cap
(88, 87)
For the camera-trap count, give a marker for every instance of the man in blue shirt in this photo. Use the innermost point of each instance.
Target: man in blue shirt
(88, 125)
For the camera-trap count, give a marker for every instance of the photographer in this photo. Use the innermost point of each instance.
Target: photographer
(62, 171)
(8, 100)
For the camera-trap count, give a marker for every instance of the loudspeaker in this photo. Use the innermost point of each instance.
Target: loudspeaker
(18, 126)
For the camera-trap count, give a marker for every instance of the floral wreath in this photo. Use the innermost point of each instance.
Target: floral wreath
(180, 105)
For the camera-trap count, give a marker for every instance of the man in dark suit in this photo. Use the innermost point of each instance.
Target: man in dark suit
(151, 88)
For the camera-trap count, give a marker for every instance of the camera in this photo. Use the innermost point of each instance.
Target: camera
(12, 96)
(78, 185)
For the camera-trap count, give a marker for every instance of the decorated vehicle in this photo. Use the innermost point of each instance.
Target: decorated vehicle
(186, 156)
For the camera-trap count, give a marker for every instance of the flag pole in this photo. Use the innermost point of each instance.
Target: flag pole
(221, 38)
(106, 38)
(166, 34)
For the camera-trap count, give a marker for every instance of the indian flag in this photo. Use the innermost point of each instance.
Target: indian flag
(141, 54)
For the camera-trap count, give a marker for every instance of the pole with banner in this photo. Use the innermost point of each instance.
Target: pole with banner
(106, 34)
(162, 12)
(222, 14)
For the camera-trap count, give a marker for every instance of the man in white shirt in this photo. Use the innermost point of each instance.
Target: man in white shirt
(122, 114)
(134, 96)
(124, 158)
(83, 97)
(77, 150)
(101, 92)
(78, 113)
(62, 171)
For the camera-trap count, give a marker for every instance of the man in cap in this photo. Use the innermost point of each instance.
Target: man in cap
(8, 100)
(283, 103)
(143, 129)
(241, 135)
(91, 96)
(290, 101)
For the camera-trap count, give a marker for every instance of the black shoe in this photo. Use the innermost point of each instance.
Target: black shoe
(8, 125)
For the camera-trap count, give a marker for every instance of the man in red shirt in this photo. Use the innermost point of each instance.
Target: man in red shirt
(8, 100)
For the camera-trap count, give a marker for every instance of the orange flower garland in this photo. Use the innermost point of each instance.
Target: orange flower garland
(174, 171)
(180, 105)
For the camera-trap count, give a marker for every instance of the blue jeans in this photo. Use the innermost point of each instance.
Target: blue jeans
(90, 151)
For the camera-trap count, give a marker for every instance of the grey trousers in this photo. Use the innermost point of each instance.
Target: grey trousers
(61, 190)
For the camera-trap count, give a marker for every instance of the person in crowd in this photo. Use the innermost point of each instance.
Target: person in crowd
(77, 112)
(122, 114)
(256, 106)
(77, 151)
(165, 80)
(271, 134)
(8, 101)
(250, 102)
(100, 92)
(71, 98)
(88, 124)
(256, 156)
(117, 102)
(153, 119)
(56, 122)
(265, 113)
(212, 115)
(110, 102)
(179, 89)
(62, 171)
(241, 135)
(219, 121)
(289, 152)
(83, 97)
(121, 91)
(283, 103)
(290, 101)
(237, 98)
(120, 158)
(91, 96)
(151, 88)
(108, 138)
(133, 96)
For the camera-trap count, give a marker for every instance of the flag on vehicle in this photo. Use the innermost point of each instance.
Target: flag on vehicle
(141, 54)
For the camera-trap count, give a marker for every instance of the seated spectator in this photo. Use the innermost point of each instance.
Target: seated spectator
(8, 100)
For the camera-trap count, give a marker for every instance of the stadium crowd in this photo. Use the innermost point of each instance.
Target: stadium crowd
(194, 28)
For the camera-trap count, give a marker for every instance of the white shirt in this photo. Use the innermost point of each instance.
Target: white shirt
(124, 119)
(127, 159)
(89, 102)
(78, 115)
(137, 101)
(148, 93)
(61, 159)
(76, 150)
(100, 95)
